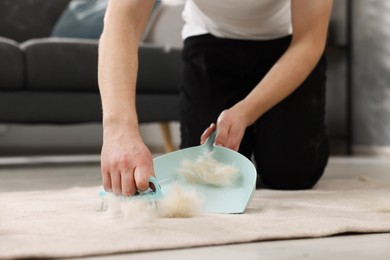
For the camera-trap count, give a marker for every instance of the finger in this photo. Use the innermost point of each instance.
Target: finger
(116, 183)
(237, 145)
(234, 138)
(221, 138)
(222, 130)
(152, 172)
(128, 184)
(234, 142)
(151, 185)
(207, 133)
(106, 180)
(141, 177)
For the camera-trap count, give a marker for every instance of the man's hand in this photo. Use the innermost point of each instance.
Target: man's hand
(126, 164)
(231, 125)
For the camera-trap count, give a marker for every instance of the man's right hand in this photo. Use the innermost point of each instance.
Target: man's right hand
(126, 164)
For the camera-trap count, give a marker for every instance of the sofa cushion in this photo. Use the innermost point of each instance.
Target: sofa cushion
(61, 64)
(11, 65)
(21, 20)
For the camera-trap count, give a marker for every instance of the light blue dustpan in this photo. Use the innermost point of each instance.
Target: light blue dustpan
(232, 199)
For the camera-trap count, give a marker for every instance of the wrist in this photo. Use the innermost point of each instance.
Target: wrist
(249, 112)
(114, 125)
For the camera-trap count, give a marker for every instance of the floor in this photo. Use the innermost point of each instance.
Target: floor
(38, 173)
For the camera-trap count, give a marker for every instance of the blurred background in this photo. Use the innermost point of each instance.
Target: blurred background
(49, 100)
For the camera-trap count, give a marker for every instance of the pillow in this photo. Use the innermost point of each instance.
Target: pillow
(82, 19)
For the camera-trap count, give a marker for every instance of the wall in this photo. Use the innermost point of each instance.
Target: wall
(371, 80)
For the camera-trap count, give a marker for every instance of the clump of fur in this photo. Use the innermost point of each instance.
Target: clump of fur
(176, 204)
(179, 204)
(207, 170)
(136, 209)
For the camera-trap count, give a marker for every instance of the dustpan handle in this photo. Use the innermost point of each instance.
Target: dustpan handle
(210, 140)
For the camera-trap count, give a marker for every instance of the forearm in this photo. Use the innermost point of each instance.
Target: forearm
(310, 21)
(117, 77)
(118, 63)
(283, 78)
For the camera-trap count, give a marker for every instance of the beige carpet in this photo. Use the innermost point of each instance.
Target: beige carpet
(67, 223)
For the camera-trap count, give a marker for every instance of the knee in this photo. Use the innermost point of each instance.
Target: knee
(297, 171)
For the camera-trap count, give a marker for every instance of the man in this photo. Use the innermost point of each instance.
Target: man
(252, 68)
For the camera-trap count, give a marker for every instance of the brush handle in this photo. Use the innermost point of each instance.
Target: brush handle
(157, 187)
(157, 192)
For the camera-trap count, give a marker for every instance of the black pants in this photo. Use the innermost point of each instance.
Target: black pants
(288, 142)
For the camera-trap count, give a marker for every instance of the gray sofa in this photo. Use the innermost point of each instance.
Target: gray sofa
(54, 80)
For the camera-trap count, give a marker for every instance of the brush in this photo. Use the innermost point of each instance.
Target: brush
(149, 195)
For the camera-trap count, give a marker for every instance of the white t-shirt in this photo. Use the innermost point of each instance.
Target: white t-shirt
(238, 19)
